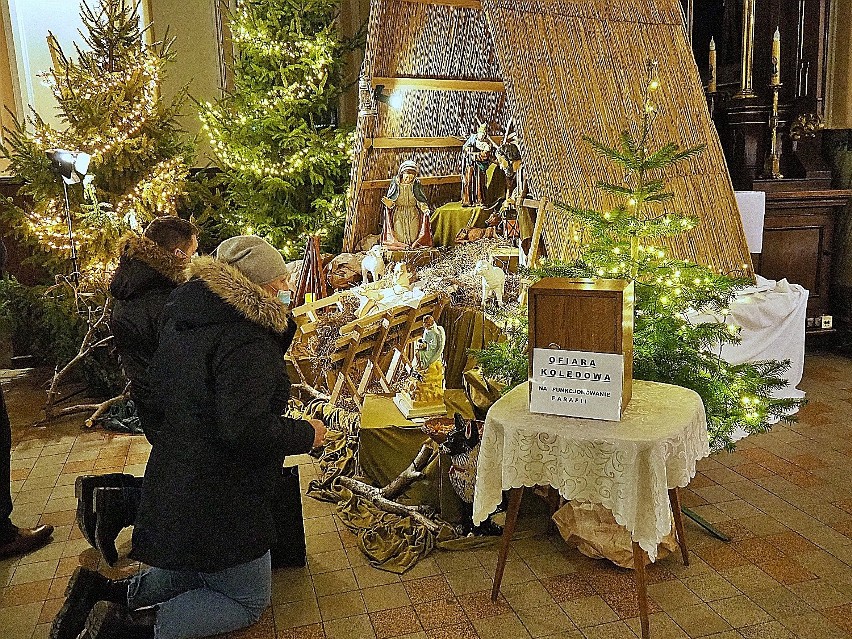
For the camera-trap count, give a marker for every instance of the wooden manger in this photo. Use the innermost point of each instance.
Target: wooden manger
(368, 351)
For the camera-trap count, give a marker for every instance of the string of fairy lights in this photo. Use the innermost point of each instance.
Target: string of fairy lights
(280, 77)
(227, 129)
(71, 83)
(636, 257)
(106, 111)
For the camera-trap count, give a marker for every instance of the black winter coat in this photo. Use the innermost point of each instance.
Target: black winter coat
(219, 387)
(145, 277)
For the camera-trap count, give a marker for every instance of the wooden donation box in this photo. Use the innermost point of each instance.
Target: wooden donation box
(581, 347)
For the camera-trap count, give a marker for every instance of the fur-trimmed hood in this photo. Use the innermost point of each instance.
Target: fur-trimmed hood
(236, 290)
(147, 251)
(145, 269)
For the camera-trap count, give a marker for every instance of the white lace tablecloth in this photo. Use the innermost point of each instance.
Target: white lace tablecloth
(626, 466)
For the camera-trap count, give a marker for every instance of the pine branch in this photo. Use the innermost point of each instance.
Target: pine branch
(623, 159)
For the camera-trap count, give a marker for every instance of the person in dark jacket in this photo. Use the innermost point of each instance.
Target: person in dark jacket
(218, 390)
(150, 267)
(13, 540)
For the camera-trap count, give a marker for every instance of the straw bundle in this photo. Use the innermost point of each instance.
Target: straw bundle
(583, 74)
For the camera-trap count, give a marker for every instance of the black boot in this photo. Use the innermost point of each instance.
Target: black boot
(84, 589)
(115, 508)
(84, 487)
(114, 621)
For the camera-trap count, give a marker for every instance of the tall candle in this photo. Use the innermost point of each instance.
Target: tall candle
(711, 84)
(776, 57)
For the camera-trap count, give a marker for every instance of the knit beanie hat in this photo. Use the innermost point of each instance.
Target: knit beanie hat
(253, 256)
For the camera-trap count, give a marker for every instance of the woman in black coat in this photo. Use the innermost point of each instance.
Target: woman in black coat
(218, 389)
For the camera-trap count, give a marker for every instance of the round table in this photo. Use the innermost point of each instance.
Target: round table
(632, 467)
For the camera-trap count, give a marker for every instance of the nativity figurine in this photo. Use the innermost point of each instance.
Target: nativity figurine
(407, 211)
(424, 395)
(477, 157)
(509, 161)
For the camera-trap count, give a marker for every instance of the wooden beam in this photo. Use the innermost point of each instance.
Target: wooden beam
(537, 204)
(464, 4)
(419, 143)
(411, 143)
(438, 84)
(425, 181)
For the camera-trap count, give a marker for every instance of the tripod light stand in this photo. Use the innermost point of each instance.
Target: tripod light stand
(72, 167)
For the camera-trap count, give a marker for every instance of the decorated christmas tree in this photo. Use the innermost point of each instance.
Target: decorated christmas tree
(668, 346)
(286, 161)
(110, 107)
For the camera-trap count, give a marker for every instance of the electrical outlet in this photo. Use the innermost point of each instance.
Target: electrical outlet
(827, 321)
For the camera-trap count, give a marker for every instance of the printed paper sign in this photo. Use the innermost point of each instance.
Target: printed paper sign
(576, 384)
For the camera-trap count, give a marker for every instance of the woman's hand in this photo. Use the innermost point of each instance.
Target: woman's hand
(319, 432)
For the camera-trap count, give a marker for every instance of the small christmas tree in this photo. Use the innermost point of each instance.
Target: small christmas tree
(668, 347)
(286, 162)
(110, 105)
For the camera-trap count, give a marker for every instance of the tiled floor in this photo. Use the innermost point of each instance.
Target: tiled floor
(784, 497)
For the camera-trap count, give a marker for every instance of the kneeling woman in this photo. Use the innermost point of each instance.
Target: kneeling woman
(219, 388)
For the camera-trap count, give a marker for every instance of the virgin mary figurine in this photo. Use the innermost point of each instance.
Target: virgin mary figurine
(406, 219)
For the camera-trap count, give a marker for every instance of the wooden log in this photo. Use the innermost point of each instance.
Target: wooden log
(382, 498)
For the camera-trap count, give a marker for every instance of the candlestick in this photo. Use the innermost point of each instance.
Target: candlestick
(772, 167)
(711, 83)
(776, 57)
(746, 90)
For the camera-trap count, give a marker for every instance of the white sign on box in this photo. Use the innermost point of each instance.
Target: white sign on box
(576, 384)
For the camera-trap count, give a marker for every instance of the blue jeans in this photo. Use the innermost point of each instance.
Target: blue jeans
(199, 604)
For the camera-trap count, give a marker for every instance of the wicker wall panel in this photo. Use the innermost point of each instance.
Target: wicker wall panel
(423, 41)
(433, 41)
(643, 11)
(585, 76)
(442, 114)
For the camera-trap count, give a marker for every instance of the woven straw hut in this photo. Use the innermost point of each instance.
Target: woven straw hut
(562, 69)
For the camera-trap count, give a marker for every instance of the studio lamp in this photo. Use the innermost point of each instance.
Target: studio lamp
(72, 167)
(394, 100)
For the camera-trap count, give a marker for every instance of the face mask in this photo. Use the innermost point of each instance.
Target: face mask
(284, 297)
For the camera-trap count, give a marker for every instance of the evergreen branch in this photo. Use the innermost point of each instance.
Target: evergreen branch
(615, 189)
(612, 154)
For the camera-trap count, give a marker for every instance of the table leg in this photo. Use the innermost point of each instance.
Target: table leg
(515, 495)
(641, 589)
(674, 499)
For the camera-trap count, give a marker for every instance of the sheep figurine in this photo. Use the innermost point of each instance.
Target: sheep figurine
(493, 281)
(373, 264)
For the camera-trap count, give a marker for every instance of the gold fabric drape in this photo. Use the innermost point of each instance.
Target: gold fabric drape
(466, 329)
